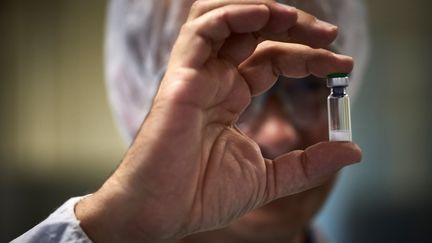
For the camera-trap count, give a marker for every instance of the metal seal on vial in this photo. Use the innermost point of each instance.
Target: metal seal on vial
(337, 79)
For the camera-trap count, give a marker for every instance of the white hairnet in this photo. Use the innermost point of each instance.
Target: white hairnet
(141, 33)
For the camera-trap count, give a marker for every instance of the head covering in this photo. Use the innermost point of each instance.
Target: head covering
(141, 33)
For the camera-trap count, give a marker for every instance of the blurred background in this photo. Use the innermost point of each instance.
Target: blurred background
(58, 138)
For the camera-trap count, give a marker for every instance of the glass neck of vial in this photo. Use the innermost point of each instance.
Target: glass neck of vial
(338, 91)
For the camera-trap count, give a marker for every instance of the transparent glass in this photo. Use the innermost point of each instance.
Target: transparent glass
(339, 117)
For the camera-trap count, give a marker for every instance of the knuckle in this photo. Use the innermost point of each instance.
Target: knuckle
(186, 27)
(270, 46)
(316, 54)
(197, 8)
(307, 50)
(269, 1)
(308, 18)
(191, 28)
(324, 53)
(221, 13)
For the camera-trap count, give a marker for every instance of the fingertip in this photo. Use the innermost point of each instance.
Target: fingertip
(349, 150)
(347, 62)
(344, 57)
(357, 152)
(341, 152)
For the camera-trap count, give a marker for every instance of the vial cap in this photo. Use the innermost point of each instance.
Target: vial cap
(337, 79)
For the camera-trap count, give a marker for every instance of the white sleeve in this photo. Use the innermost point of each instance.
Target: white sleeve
(61, 226)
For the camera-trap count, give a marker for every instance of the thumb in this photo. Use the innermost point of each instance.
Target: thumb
(301, 170)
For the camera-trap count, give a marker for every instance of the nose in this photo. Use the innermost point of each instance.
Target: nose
(275, 134)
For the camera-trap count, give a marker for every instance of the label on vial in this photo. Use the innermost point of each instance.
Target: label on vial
(340, 135)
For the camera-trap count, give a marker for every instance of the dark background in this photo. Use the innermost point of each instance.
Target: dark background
(58, 139)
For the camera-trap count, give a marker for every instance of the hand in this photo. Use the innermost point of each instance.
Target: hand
(190, 169)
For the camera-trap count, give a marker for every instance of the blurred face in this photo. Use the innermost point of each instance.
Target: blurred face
(291, 115)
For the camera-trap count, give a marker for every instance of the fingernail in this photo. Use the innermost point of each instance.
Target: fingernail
(325, 25)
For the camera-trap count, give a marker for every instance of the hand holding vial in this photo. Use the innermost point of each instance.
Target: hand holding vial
(190, 169)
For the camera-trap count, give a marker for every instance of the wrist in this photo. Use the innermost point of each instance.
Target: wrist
(110, 219)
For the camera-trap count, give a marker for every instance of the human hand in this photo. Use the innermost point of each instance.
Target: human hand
(190, 169)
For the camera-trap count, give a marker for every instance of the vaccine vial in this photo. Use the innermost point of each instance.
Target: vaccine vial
(339, 118)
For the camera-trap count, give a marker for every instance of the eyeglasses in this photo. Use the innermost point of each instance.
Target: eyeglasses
(303, 101)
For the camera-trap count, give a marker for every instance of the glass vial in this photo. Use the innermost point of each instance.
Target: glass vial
(338, 105)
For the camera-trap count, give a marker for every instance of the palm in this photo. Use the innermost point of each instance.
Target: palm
(225, 170)
(232, 182)
(232, 178)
